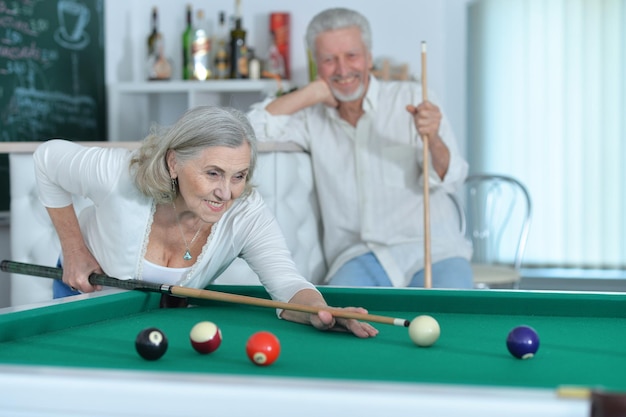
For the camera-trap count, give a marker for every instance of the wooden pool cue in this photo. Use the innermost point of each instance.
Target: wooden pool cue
(428, 277)
(134, 284)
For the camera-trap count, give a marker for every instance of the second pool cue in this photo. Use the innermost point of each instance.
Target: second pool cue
(428, 278)
(134, 284)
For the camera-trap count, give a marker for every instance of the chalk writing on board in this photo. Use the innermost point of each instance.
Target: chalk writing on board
(51, 62)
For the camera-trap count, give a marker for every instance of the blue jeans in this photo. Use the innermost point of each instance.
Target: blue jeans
(366, 271)
(59, 288)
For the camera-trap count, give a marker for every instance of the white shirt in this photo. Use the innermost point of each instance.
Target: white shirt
(117, 226)
(369, 180)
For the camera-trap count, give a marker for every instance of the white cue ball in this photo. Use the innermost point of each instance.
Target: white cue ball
(424, 331)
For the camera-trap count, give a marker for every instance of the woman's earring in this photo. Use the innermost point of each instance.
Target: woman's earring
(174, 184)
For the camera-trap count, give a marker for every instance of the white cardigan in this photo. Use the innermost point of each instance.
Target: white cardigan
(117, 226)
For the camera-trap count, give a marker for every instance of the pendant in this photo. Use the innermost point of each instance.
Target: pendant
(187, 256)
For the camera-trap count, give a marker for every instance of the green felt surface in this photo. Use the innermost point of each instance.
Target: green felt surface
(583, 341)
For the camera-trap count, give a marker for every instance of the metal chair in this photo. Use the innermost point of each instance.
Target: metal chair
(497, 220)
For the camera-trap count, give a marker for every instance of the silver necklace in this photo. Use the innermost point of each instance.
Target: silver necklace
(187, 256)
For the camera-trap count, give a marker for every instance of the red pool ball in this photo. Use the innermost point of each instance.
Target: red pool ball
(151, 343)
(523, 342)
(205, 337)
(263, 348)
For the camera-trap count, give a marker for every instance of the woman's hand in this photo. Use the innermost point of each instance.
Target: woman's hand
(78, 262)
(324, 320)
(78, 265)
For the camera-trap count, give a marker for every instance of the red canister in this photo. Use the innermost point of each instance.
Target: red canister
(279, 49)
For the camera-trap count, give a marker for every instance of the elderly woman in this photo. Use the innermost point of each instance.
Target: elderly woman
(178, 211)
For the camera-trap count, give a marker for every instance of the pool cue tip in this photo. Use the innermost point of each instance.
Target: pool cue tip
(401, 322)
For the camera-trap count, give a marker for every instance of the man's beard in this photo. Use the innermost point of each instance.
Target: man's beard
(351, 96)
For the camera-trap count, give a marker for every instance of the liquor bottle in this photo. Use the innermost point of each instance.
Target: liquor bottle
(201, 49)
(154, 35)
(221, 64)
(187, 44)
(158, 66)
(254, 65)
(312, 65)
(238, 49)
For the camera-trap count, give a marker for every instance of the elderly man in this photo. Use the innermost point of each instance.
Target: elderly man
(364, 137)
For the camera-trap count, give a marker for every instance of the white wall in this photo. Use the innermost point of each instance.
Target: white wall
(398, 28)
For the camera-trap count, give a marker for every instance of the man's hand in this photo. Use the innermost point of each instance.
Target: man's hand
(313, 93)
(323, 92)
(427, 118)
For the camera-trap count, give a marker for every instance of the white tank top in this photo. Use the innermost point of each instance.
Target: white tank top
(162, 274)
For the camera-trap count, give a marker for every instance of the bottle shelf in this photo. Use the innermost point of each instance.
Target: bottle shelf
(194, 86)
(135, 106)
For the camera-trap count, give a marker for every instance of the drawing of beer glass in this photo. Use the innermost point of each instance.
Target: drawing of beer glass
(73, 17)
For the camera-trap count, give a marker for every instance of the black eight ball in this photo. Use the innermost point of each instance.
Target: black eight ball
(151, 343)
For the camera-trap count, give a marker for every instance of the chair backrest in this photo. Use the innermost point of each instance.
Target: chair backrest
(498, 214)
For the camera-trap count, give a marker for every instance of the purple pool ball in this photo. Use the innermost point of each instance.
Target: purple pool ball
(523, 342)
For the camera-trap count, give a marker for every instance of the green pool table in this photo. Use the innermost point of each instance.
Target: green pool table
(78, 355)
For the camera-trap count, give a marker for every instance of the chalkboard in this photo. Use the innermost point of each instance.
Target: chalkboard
(51, 73)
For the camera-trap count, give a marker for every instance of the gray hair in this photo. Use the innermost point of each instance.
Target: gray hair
(199, 128)
(338, 18)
